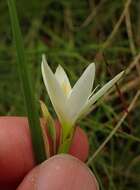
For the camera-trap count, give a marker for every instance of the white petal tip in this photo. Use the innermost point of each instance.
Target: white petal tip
(44, 58)
(120, 75)
(59, 68)
(44, 66)
(92, 65)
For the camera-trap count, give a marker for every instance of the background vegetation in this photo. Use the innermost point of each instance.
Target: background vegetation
(73, 34)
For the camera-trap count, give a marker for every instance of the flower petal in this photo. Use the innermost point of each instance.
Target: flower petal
(81, 90)
(63, 80)
(87, 108)
(54, 91)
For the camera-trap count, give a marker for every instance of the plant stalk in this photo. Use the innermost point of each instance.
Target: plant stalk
(29, 96)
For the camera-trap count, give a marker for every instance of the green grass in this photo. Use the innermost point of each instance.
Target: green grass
(55, 28)
(24, 75)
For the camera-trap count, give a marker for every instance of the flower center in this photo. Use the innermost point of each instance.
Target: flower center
(66, 88)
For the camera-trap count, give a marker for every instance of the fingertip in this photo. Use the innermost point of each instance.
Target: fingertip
(80, 146)
(60, 172)
(16, 154)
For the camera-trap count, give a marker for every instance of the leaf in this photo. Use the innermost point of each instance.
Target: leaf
(50, 124)
(65, 144)
(64, 147)
(46, 141)
(30, 102)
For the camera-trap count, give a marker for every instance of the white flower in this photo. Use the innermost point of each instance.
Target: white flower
(72, 103)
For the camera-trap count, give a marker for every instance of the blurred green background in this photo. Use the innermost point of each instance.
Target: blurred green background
(73, 34)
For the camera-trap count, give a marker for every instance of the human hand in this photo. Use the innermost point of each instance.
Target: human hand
(62, 172)
(16, 157)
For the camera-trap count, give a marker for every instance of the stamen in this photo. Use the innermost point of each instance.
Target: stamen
(66, 88)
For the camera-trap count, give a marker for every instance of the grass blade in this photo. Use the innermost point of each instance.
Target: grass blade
(30, 102)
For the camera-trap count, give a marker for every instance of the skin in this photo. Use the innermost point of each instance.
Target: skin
(61, 172)
(16, 152)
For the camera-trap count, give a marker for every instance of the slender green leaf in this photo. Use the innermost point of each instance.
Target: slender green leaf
(64, 147)
(30, 101)
(50, 124)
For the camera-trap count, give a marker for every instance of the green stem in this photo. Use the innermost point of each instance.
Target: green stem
(66, 139)
(30, 101)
